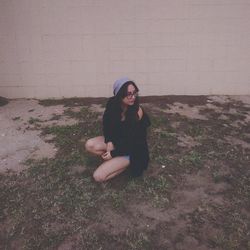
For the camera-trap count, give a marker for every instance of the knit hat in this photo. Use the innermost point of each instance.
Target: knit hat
(119, 83)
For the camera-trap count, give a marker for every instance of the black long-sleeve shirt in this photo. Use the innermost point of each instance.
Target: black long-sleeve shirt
(129, 138)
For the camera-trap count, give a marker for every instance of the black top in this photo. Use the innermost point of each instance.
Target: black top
(129, 138)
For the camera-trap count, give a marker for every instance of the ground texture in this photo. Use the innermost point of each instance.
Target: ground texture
(195, 194)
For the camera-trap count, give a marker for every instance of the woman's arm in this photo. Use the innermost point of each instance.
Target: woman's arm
(144, 117)
(110, 146)
(107, 127)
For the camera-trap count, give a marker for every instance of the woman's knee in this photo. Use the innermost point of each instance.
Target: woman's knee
(93, 146)
(98, 176)
(89, 145)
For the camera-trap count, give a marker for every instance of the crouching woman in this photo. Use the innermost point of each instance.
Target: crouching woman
(124, 141)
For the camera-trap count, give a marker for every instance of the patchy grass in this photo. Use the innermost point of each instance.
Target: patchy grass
(191, 160)
(71, 102)
(33, 120)
(50, 205)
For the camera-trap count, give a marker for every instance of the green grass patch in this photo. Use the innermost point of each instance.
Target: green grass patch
(154, 189)
(191, 160)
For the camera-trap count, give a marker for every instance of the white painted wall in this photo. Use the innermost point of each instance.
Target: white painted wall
(66, 48)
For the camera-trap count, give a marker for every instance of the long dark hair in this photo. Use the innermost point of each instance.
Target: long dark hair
(131, 114)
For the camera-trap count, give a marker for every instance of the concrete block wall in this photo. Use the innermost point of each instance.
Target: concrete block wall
(66, 48)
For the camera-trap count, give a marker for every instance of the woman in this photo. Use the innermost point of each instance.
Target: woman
(124, 143)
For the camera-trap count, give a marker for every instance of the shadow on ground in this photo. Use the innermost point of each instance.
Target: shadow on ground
(195, 193)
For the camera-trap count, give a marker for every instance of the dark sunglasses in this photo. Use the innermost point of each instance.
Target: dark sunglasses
(131, 94)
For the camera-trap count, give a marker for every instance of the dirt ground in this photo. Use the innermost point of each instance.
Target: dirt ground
(195, 193)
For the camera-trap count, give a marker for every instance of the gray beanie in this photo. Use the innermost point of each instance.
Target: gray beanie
(119, 83)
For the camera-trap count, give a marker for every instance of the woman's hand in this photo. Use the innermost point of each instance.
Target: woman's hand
(106, 156)
(110, 146)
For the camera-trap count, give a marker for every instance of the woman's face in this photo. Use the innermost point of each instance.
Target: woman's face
(131, 96)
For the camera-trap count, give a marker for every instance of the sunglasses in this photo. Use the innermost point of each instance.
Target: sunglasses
(130, 95)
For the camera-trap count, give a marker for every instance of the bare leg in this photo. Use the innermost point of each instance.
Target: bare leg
(110, 168)
(96, 145)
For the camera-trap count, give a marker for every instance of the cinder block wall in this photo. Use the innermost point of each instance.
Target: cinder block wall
(66, 48)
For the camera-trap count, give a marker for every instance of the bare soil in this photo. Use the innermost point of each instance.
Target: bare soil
(195, 194)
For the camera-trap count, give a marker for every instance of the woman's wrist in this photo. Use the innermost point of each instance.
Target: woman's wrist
(110, 146)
